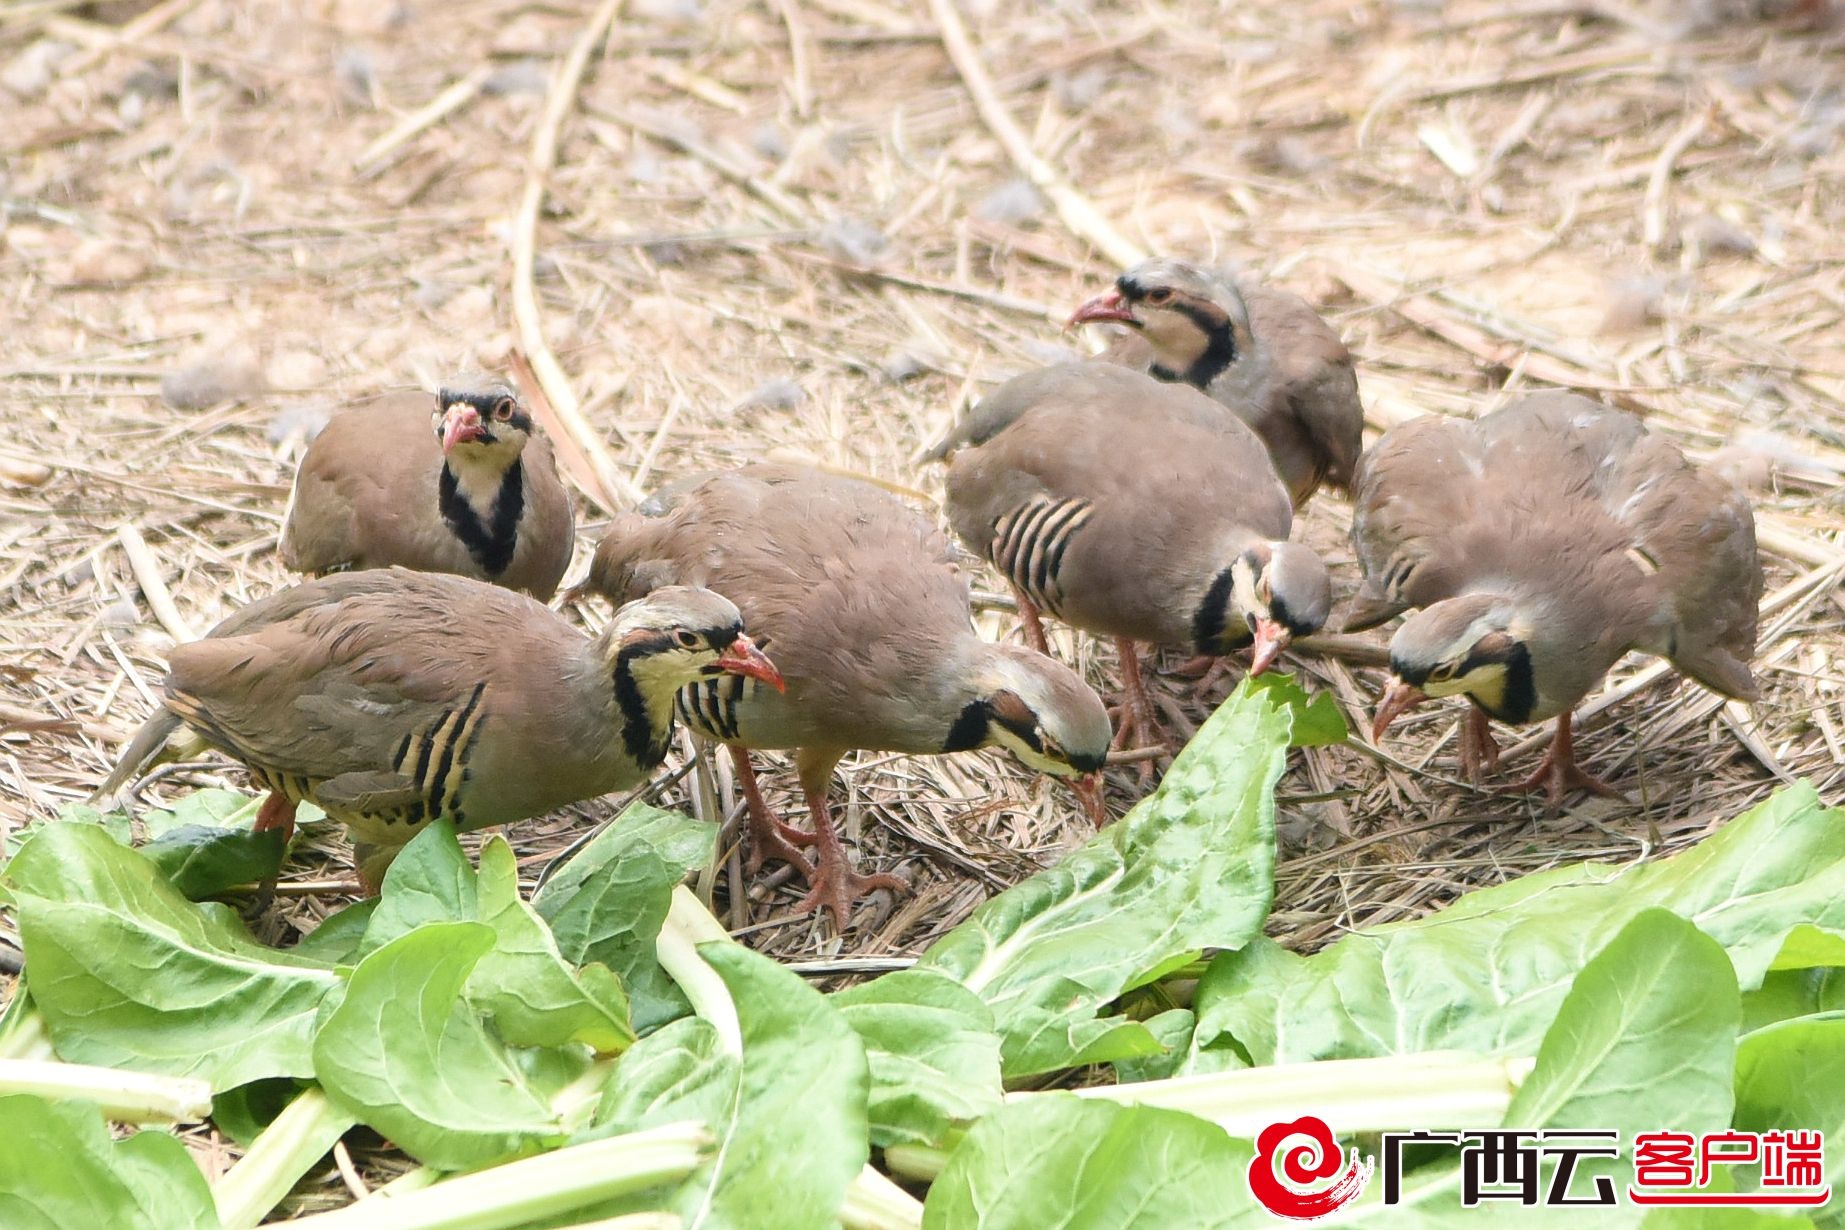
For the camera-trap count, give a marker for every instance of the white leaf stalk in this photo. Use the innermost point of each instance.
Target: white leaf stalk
(22, 1032)
(126, 1097)
(1429, 1090)
(284, 1151)
(532, 1189)
(873, 1202)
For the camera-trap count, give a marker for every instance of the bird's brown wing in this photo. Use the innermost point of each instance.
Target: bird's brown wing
(350, 504)
(1694, 538)
(547, 529)
(335, 675)
(1313, 371)
(1416, 489)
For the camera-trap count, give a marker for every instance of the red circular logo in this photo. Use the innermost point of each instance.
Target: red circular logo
(1311, 1155)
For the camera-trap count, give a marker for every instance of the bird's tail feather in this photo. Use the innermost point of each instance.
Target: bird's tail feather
(147, 742)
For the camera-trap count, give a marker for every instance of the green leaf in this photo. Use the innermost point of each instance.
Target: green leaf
(1646, 1037)
(535, 999)
(204, 862)
(794, 1135)
(933, 1053)
(1063, 1163)
(1190, 867)
(1489, 973)
(1318, 721)
(680, 1071)
(337, 940)
(403, 1052)
(128, 973)
(63, 1171)
(608, 902)
(1180, 1055)
(430, 880)
(1787, 993)
(1807, 947)
(1792, 1076)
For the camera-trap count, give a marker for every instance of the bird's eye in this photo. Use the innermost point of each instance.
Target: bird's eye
(688, 639)
(1157, 297)
(503, 408)
(1443, 673)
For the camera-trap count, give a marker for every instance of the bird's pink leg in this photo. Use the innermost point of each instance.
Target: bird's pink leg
(1028, 619)
(769, 837)
(1558, 773)
(1479, 752)
(1137, 728)
(276, 813)
(835, 883)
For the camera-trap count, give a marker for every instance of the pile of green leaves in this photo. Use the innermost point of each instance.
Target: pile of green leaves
(473, 1028)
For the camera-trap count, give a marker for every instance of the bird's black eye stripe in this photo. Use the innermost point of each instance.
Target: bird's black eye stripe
(723, 638)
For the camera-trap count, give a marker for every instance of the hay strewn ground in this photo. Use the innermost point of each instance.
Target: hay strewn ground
(784, 229)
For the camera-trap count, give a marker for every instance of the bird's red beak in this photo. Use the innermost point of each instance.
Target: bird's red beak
(743, 658)
(1111, 306)
(459, 425)
(1398, 699)
(1088, 790)
(1271, 639)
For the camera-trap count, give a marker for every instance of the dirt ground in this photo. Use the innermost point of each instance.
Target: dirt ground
(785, 229)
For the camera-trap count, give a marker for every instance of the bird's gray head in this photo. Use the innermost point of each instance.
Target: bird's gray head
(1195, 319)
(678, 635)
(1036, 708)
(1473, 644)
(1271, 593)
(482, 423)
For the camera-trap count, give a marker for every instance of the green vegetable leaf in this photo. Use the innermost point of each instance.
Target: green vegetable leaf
(340, 936)
(801, 1065)
(1192, 866)
(1063, 1163)
(1792, 1076)
(522, 982)
(1317, 719)
(128, 973)
(202, 861)
(62, 1171)
(933, 1053)
(1646, 1037)
(608, 902)
(430, 880)
(403, 1052)
(1489, 973)
(680, 1071)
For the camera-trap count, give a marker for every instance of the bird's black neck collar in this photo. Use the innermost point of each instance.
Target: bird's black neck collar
(1519, 696)
(491, 541)
(644, 731)
(1218, 354)
(1211, 619)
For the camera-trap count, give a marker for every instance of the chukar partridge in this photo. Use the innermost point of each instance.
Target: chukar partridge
(1542, 542)
(859, 598)
(1137, 510)
(461, 482)
(1258, 350)
(389, 698)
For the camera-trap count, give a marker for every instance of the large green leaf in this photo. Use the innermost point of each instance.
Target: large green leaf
(1488, 973)
(608, 902)
(535, 999)
(934, 1056)
(131, 974)
(203, 861)
(1792, 1076)
(430, 880)
(1190, 867)
(794, 1134)
(524, 983)
(680, 1071)
(404, 1053)
(62, 1171)
(1643, 1041)
(1062, 1163)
